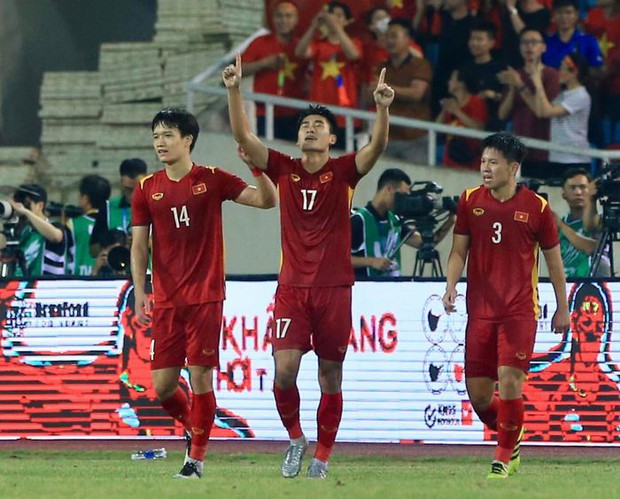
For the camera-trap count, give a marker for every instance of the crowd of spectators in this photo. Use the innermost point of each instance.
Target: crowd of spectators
(483, 64)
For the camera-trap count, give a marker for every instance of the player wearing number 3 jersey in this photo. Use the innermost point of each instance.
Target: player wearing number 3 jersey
(499, 230)
(313, 299)
(181, 207)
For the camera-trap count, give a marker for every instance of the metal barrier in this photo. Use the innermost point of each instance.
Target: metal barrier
(197, 84)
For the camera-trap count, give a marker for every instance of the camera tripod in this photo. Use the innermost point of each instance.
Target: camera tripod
(608, 238)
(427, 255)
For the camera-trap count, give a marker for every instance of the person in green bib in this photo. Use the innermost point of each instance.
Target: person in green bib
(376, 231)
(94, 193)
(576, 244)
(116, 213)
(42, 244)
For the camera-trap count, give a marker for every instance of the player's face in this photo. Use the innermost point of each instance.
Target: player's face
(315, 134)
(575, 190)
(170, 147)
(496, 171)
(285, 18)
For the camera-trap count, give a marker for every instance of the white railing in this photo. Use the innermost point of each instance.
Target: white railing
(198, 84)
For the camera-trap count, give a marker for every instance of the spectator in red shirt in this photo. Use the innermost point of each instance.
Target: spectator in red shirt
(271, 59)
(334, 58)
(462, 108)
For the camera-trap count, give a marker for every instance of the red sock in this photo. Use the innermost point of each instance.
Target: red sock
(178, 407)
(509, 422)
(328, 419)
(489, 415)
(287, 403)
(202, 416)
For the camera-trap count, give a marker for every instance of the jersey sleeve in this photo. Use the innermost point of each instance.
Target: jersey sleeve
(231, 185)
(140, 213)
(351, 175)
(274, 165)
(548, 232)
(462, 222)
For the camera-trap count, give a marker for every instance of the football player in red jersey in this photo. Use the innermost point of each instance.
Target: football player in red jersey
(313, 299)
(499, 229)
(181, 206)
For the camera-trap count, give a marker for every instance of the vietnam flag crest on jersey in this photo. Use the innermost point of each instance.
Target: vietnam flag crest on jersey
(521, 216)
(199, 189)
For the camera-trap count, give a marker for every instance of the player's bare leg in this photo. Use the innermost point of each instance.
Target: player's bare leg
(286, 395)
(328, 415)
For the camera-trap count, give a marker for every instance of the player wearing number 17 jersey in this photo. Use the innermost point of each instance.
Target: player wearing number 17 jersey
(180, 207)
(313, 299)
(499, 230)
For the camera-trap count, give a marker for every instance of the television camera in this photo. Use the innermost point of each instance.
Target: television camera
(424, 207)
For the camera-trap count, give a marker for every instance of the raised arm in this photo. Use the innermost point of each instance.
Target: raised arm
(456, 264)
(264, 194)
(39, 223)
(249, 142)
(366, 157)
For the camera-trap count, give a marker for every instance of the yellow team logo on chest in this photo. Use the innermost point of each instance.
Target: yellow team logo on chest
(478, 211)
(295, 178)
(157, 196)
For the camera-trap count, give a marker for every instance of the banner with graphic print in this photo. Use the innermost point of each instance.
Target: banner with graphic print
(75, 362)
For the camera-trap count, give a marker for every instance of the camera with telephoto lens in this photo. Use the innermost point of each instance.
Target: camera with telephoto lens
(423, 200)
(608, 193)
(55, 209)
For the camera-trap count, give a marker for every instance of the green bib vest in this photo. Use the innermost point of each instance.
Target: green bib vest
(81, 228)
(380, 243)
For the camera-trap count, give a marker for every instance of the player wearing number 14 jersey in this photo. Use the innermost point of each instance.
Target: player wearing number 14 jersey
(499, 229)
(180, 207)
(313, 299)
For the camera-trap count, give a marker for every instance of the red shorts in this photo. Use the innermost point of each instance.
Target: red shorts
(313, 318)
(191, 332)
(490, 344)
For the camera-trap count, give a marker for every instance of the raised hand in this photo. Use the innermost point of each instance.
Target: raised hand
(383, 94)
(232, 74)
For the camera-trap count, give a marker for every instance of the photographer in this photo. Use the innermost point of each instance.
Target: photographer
(116, 213)
(42, 244)
(576, 245)
(113, 259)
(376, 231)
(94, 192)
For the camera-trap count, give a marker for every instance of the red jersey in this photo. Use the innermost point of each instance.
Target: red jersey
(476, 109)
(314, 219)
(186, 221)
(502, 265)
(288, 81)
(607, 31)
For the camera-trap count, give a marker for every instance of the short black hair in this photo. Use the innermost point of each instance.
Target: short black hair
(487, 27)
(331, 6)
(319, 111)
(35, 192)
(560, 4)
(96, 188)
(509, 145)
(527, 29)
(404, 23)
(132, 167)
(181, 119)
(393, 176)
(573, 172)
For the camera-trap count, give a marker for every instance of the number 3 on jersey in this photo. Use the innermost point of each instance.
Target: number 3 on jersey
(180, 217)
(497, 234)
(309, 197)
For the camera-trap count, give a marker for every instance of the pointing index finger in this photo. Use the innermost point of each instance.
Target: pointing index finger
(381, 77)
(238, 61)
